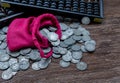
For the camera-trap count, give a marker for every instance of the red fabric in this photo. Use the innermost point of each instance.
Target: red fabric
(24, 33)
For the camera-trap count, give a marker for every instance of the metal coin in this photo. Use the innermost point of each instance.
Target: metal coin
(2, 37)
(67, 57)
(86, 38)
(85, 20)
(56, 43)
(5, 29)
(77, 55)
(69, 41)
(75, 47)
(90, 47)
(64, 63)
(3, 46)
(47, 50)
(77, 38)
(14, 54)
(63, 26)
(22, 58)
(52, 36)
(34, 55)
(69, 32)
(15, 67)
(62, 44)
(83, 49)
(81, 66)
(4, 57)
(35, 66)
(24, 65)
(4, 65)
(62, 50)
(25, 51)
(7, 74)
(44, 63)
(43, 33)
(55, 50)
(12, 61)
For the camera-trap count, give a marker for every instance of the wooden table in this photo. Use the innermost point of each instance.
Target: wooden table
(104, 63)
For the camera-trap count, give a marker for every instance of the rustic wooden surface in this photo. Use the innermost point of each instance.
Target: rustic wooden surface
(104, 63)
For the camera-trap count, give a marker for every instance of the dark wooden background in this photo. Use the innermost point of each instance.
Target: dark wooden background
(103, 64)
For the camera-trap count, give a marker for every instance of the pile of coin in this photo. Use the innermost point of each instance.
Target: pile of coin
(70, 48)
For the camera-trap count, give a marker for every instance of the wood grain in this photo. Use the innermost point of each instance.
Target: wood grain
(104, 63)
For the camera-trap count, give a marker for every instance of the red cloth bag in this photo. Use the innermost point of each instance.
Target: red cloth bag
(24, 33)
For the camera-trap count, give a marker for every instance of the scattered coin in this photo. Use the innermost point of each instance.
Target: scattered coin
(81, 66)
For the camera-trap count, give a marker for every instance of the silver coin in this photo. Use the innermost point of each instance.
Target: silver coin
(74, 25)
(12, 61)
(64, 63)
(62, 44)
(81, 66)
(4, 57)
(52, 36)
(56, 43)
(25, 51)
(67, 57)
(75, 47)
(4, 65)
(24, 65)
(7, 74)
(77, 38)
(46, 50)
(14, 54)
(5, 29)
(64, 36)
(77, 32)
(3, 45)
(69, 32)
(85, 20)
(35, 66)
(44, 63)
(63, 26)
(83, 49)
(43, 33)
(55, 50)
(22, 58)
(62, 50)
(2, 37)
(69, 41)
(75, 60)
(86, 38)
(15, 67)
(52, 29)
(90, 47)
(77, 55)
(34, 55)
(56, 55)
